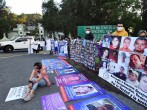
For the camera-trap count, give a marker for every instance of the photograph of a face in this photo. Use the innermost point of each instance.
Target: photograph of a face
(137, 61)
(126, 44)
(103, 104)
(84, 89)
(113, 55)
(115, 42)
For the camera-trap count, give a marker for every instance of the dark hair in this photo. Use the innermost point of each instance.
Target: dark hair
(141, 38)
(102, 63)
(109, 106)
(78, 93)
(38, 64)
(119, 22)
(131, 63)
(122, 67)
(142, 31)
(127, 38)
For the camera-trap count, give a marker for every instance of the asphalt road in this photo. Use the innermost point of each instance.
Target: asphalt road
(15, 69)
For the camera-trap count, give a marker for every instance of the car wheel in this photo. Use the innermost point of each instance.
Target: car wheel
(8, 49)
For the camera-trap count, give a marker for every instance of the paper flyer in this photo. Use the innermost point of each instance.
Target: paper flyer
(16, 93)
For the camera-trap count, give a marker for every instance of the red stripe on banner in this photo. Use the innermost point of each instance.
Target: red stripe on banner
(62, 58)
(70, 107)
(63, 94)
(65, 62)
(56, 72)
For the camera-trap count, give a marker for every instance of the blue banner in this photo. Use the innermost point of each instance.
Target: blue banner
(102, 102)
(80, 91)
(66, 71)
(55, 64)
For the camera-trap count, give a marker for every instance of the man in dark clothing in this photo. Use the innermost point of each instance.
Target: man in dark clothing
(121, 74)
(89, 35)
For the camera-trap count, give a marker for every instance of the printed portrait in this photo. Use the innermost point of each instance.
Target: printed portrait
(133, 77)
(84, 89)
(115, 42)
(125, 44)
(102, 104)
(137, 61)
(106, 41)
(105, 54)
(113, 55)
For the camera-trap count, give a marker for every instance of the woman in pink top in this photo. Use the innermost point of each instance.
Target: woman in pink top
(38, 78)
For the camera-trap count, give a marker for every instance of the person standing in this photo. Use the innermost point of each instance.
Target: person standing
(120, 30)
(48, 44)
(56, 46)
(89, 35)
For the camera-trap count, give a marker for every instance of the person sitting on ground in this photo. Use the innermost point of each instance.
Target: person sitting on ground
(38, 78)
(120, 30)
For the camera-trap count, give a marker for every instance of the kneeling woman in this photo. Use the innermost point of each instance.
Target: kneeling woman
(38, 78)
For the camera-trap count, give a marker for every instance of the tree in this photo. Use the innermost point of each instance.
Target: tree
(74, 13)
(50, 16)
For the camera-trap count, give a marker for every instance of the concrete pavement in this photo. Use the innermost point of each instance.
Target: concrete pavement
(15, 71)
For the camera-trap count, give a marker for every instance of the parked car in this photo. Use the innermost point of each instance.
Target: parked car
(15, 44)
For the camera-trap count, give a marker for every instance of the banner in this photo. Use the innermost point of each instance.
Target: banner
(16, 93)
(70, 79)
(101, 102)
(98, 31)
(80, 91)
(83, 53)
(66, 71)
(52, 64)
(53, 102)
(62, 48)
(123, 63)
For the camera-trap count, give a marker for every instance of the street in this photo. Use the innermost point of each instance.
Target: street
(15, 70)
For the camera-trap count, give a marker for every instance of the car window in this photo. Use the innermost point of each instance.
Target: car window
(21, 40)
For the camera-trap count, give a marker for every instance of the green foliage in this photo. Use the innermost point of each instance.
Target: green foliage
(74, 13)
(50, 16)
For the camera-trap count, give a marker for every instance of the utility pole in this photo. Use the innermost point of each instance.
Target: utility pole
(144, 14)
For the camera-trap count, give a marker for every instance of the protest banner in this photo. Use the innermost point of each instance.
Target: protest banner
(80, 91)
(70, 79)
(54, 64)
(123, 63)
(98, 30)
(52, 102)
(66, 71)
(101, 102)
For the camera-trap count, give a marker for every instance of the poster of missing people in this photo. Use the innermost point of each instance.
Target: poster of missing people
(83, 51)
(80, 91)
(123, 63)
(102, 102)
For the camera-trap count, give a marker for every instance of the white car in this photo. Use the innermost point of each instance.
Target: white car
(15, 44)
